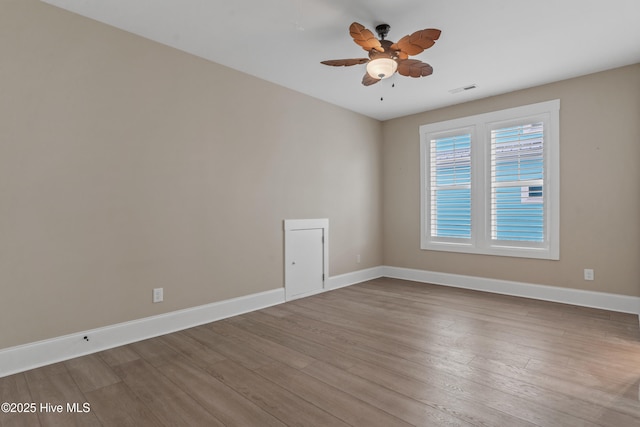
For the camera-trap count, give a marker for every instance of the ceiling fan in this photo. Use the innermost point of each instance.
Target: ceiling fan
(386, 57)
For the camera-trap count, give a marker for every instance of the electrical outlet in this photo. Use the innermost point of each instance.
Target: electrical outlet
(158, 295)
(358, 258)
(588, 274)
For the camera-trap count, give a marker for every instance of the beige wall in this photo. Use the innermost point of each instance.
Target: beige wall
(127, 165)
(599, 191)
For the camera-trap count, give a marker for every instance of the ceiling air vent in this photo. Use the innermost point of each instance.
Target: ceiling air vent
(462, 89)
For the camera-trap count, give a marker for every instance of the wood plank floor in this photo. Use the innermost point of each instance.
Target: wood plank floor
(382, 353)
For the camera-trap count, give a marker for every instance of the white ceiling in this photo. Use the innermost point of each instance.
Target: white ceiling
(498, 45)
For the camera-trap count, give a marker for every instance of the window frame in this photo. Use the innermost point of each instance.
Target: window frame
(480, 127)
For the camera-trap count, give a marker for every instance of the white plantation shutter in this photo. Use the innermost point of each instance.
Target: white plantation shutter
(517, 183)
(450, 177)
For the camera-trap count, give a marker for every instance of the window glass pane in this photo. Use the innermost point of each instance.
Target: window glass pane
(515, 218)
(517, 172)
(453, 213)
(451, 187)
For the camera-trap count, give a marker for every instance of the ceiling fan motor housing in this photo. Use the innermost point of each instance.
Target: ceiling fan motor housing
(388, 52)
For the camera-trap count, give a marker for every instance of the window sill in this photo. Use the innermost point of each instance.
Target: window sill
(494, 250)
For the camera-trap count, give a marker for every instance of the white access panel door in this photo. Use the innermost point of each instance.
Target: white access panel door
(305, 258)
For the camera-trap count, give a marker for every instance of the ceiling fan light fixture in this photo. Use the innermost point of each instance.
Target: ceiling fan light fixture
(386, 57)
(382, 68)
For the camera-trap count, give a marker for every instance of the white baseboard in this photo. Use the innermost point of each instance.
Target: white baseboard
(602, 300)
(348, 279)
(41, 353)
(342, 280)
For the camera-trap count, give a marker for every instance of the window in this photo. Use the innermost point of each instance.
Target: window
(490, 183)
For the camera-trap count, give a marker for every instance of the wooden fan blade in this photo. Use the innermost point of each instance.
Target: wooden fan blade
(417, 42)
(364, 37)
(414, 68)
(345, 62)
(367, 80)
(432, 33)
